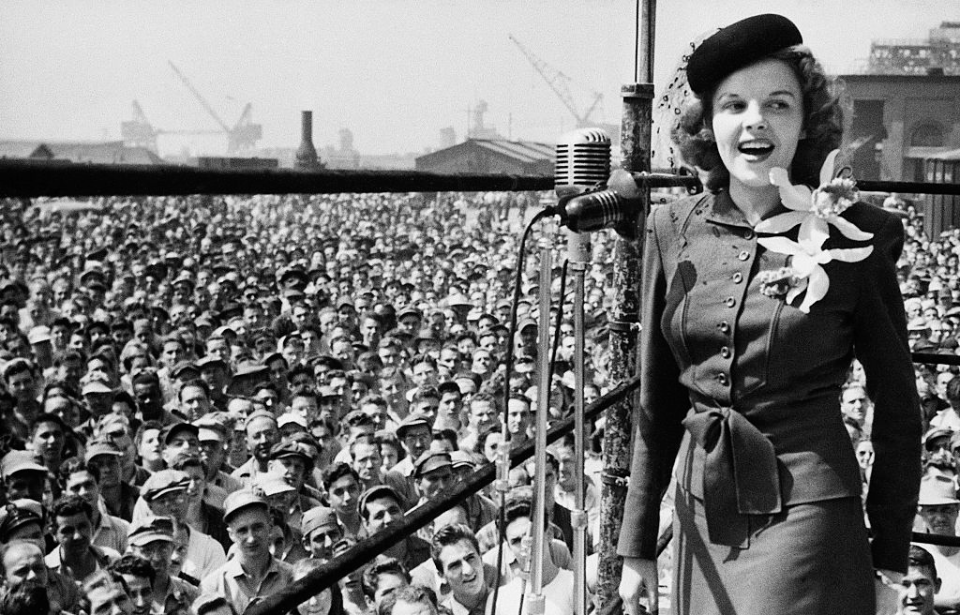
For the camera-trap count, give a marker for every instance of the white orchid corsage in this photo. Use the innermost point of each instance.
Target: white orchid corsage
(815, 212)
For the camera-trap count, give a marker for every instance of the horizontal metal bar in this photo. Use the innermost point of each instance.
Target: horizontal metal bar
(363, 552)
(907, 187)
(31, 179)
(933, 358)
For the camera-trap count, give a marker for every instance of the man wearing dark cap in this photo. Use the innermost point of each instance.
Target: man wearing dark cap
(253, 572)
(215, 432)
(380, 507)
(293, 462)
(320, 531)
(180, 438)
(215, 372)
(433, 472)
(152, 539)
(119, 497)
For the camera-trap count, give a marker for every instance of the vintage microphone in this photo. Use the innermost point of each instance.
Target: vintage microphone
(590, 197)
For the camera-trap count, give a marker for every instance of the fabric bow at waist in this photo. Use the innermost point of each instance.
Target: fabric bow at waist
(740, 474)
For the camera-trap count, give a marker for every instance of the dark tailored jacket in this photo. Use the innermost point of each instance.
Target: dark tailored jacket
(710, 339)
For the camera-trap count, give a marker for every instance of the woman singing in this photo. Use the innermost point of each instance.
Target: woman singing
(756, 297)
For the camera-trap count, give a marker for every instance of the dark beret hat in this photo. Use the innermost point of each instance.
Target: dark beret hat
(739, 45)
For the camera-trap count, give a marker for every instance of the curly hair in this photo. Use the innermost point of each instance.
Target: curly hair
(822, 122)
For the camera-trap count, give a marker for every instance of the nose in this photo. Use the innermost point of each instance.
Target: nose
(753, 116)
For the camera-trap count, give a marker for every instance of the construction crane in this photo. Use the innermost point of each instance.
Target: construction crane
(243, 136)
(139, 132)
(560, 84)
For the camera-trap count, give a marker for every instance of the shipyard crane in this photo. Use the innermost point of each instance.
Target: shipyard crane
(243, 135)
(560, 84)
(139, 132)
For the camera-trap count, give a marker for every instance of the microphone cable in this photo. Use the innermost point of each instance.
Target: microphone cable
(508, 364)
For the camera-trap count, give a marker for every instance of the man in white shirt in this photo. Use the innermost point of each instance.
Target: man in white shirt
(558, 586)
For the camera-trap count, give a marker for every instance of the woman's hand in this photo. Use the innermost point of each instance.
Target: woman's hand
(637, 575)
(888, 592)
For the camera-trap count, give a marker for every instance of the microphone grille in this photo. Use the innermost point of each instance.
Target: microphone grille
(583, 159)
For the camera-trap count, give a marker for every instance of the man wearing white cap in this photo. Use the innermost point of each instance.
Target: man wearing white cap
(939, 507)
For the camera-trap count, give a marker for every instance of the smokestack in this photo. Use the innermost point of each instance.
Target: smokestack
(307, 153)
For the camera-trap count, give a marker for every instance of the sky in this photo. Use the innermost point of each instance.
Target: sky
(394, 72)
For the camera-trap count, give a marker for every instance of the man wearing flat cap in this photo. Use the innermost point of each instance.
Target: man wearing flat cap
(152, 539)
(253, 572)
(165, 495)
(380, 507)
(293, 462)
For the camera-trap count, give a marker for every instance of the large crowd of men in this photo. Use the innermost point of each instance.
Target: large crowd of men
(206, 398)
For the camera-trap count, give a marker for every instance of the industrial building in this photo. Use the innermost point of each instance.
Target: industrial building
(491, 156)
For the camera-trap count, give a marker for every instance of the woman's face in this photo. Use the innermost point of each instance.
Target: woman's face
(758, 121)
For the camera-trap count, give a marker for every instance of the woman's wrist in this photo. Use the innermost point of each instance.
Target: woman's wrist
(888, 577)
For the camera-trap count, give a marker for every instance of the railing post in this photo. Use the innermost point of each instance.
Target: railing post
(635, 136)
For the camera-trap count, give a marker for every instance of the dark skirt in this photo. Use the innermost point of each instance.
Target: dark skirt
(811, 559)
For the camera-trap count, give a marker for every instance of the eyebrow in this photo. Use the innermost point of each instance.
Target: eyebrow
(774, 93)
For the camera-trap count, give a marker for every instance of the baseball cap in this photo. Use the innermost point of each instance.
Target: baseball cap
(461, 459)
(291, 417)
(172, 430)
(242, 499)
(272, 484)
(411, 421)
(318, 517)
(19, 461)
(430, 461)
(94, 386)
(291, 449)
(183, 368)
(97, 448)
(150, 529)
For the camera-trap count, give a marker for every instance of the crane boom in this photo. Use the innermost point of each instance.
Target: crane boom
(199, 97)
(559, 83)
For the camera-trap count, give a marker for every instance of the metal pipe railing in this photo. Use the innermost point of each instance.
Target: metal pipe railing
(364, 551)
(26, 178)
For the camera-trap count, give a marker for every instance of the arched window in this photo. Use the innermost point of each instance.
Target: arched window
(927, 134)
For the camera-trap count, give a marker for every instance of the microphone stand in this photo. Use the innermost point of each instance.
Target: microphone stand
(537, 603)
(578, 251)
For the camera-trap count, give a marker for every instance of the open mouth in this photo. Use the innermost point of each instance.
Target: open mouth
(756, 147)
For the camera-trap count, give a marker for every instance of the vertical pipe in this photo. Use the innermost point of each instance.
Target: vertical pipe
(578, 246)
(536, 603)
(306, 157)
(624, 318)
